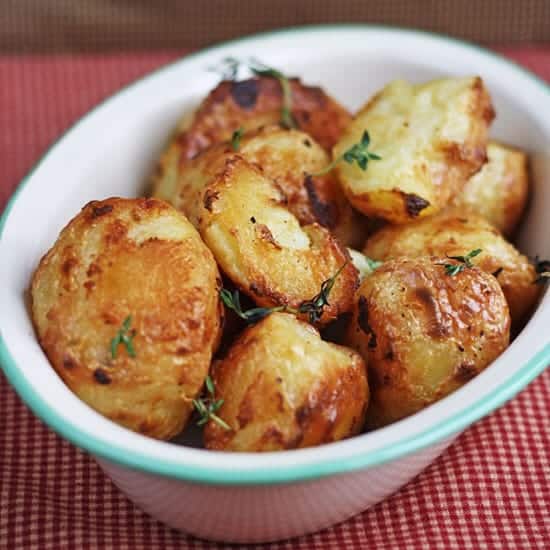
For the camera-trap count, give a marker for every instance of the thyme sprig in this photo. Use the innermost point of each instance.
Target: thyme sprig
(207, 406)
(313, 307)
(357, 153)
(261, 69)
(542, 267)
(232, 301)
(465, 262)
(236, 138)
(124, 336)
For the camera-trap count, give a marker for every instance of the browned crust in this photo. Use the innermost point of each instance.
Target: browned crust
(434, 332)
(94, 277)
(257, 102)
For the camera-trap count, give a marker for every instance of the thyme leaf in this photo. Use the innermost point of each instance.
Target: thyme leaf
(124, 336)
(357, 153)
(207, 406)
(236, 138)
(465, 262)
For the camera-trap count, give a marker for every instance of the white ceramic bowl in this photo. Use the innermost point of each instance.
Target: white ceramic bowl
(112, 150)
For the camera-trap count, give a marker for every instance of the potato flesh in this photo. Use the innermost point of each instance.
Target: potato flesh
(431, 138)
(499, 191)
(138, 258)
(424, 333)
(284, 388)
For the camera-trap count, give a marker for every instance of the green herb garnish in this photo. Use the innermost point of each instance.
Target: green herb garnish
(313, 308)
(233, 301)
(124, 336)
(236, 138)
(542, 267)
(465, 261)
(357, 153)
(207, 406)
(260, 69)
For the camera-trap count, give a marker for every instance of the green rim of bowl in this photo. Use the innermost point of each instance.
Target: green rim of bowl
(291, 473)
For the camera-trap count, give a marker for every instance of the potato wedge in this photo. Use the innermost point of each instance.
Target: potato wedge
(284, 388)
(136, 266)
(248, 104)
(453, 233)
(243, 218)
(424, 333)
(499, 191)
(431, 138)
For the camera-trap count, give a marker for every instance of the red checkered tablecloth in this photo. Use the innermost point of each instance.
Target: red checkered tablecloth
(491, 489)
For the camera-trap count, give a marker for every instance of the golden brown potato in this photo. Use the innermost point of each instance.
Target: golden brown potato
(139, 261)
(424, 333)
(249, 104)
(455, 234)
(287, 157)
(431, 138)
(499, 191)
(284, 388)
(243, 217)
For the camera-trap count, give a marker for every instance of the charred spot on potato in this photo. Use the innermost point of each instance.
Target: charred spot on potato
(210, 197)
(363, 321)
(264, 233)
(307, 143)
(68, 264)
(98, 211)
(414, 204)
(101, 376)
(252, 219)
(69, 362)
(93, 269)
(465, 371)
(245, 93)
(115, 232)
(437, 327)
(324, 212)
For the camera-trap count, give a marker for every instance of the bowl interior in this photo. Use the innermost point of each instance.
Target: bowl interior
(113, 150)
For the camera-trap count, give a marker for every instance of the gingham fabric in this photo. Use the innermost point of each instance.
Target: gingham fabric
(491, 489)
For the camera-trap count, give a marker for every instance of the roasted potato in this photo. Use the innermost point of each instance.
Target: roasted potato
(452, 233)
(248, 104)
(424, 333)
(284, 388)
(243, 217)
(132, 268)
(499, 191)
(431, 138)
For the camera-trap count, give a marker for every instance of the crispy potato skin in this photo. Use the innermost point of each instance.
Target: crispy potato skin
(499, 191)
(455, 234)
(431, 138)
(284, 388)
(424, 333)
(243, 218)
(249, 104)
(138, 257)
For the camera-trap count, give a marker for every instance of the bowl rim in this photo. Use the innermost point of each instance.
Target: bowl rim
(224, 475)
